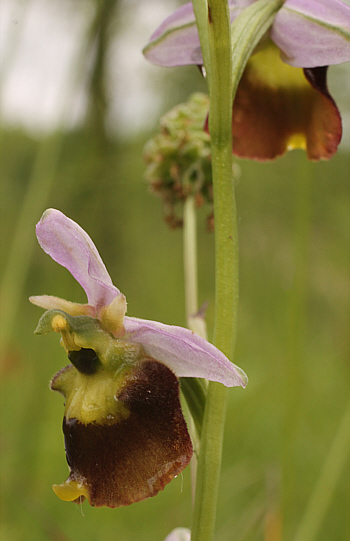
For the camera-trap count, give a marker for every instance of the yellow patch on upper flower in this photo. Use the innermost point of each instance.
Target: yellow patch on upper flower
(266, 64)
(298, 140)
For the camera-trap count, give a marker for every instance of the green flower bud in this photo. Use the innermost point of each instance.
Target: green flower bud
(178, 158)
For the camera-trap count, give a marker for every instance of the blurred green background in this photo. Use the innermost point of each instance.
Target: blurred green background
(285, 447)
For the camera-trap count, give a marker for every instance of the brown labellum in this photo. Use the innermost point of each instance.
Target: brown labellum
(134, 458)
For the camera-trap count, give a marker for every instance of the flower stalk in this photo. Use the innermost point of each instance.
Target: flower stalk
(226, 270)
(190, 259)
(194, 389)
(225, 71)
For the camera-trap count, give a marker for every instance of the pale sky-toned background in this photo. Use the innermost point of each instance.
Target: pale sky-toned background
(41, 43)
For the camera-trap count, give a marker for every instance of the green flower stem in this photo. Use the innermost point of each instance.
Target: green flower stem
(327, 482)
(190, 258)
(226, 252)
(228, 55)
(194, 389)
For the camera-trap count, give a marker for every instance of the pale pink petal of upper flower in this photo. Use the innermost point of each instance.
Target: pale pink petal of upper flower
(68, 244)
(309, 33)
(176, 40)
(313, 33)
(183, 351)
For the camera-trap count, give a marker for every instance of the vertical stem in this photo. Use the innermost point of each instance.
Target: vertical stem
(190, 258)
(191, 300)
(193, 389)
(226, 270)
(224, 64)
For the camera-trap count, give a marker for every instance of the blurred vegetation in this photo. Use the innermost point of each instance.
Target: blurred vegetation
(293, 336)
(293, 339)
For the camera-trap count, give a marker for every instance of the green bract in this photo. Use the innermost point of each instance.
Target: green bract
(178, 158)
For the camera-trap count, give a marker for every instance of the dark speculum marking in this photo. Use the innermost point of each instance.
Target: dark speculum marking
(84, 360)
(135, 458)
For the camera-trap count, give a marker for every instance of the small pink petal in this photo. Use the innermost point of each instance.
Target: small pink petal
(183, 351)
(68, 244)
(55, 303)
(176, 40)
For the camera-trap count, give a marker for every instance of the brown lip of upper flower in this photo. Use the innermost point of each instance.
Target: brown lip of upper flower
(268, 120)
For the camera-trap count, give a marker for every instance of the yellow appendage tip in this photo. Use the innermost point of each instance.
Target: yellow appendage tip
(70, 491)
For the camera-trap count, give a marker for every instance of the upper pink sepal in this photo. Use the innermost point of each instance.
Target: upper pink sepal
(68, 244)
(309, 33)
(313, 33)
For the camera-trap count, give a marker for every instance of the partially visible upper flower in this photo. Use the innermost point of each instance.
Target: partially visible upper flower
(282, 101)
(125, 434)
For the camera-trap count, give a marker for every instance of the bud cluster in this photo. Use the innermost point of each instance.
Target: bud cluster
(178, 159)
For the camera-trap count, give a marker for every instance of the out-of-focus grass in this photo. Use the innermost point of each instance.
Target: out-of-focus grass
(293, 341)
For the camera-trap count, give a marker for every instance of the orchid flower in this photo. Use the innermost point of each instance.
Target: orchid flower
(125, 434)
(282, 101)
